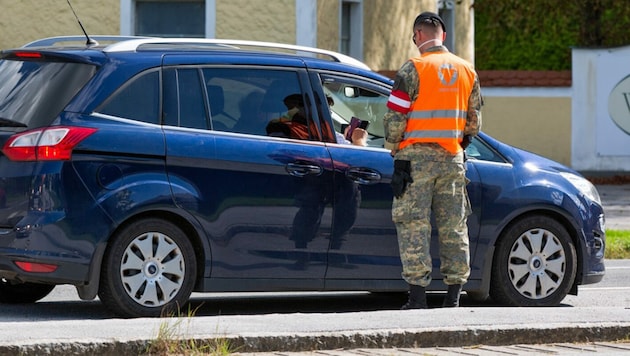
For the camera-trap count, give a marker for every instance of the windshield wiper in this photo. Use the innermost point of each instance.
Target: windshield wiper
(10, 123)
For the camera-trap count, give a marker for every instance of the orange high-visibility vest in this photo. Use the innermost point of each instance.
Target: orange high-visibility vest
(438, 115)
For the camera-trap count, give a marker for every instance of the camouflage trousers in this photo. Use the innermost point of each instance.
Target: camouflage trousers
(440, 187)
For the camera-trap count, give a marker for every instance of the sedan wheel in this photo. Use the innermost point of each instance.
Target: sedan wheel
(534, 265)
(149, 270)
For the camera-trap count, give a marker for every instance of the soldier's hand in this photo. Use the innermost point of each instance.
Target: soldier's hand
(466, 141)
(392, 147)
(401, 177)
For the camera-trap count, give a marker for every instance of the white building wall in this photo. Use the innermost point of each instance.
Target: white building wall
(601, 110)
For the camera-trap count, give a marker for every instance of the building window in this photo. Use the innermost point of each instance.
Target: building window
(170, 18)
(351, 28)
(446, 10)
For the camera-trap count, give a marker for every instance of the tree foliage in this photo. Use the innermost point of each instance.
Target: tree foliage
(539, 34)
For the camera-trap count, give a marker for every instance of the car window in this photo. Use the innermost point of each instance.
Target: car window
(351, 98)
(138, 99)
(50, 85)
(481, 151)
(259, 102)
(184, 103)
(229, 97)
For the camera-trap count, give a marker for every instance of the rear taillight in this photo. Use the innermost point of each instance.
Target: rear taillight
(28, 54)
(47, 144)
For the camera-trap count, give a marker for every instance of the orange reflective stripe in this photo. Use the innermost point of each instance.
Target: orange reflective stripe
(439, 113)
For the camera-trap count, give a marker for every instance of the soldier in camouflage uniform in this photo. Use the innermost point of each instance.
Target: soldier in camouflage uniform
(434, 111)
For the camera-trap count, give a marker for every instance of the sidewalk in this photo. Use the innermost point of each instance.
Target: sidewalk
(465, 330)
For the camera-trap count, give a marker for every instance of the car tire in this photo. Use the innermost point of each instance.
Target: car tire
(535, 264)
(149, 270)
(23, 293)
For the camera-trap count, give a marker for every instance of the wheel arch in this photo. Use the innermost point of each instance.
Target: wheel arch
(484, 290)
(558, 216)
(192, 230)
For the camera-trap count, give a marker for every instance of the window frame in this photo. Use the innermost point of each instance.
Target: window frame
(362, 82)
(182, 82)
(446, 10)
(126, 85)
(354, 23)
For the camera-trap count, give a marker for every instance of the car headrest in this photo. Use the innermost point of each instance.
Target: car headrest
(273, 102)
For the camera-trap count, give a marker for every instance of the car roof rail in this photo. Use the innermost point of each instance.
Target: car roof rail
(53, 41)
(135, 44)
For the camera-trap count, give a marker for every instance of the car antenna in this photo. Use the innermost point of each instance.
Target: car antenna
(89, 42)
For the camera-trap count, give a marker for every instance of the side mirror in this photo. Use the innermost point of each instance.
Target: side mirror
(351, 92)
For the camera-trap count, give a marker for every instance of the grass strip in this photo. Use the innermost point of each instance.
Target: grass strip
(617, 244)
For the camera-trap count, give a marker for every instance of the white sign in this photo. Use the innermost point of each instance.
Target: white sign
(619, 105)
(600, 109)
(613, 119)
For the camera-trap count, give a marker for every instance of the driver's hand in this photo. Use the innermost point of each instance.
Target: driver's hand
(359, 137)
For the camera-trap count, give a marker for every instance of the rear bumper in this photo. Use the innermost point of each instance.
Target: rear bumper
(46, 238)
(67, 271)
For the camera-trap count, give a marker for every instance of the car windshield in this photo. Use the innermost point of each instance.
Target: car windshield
(33, 93)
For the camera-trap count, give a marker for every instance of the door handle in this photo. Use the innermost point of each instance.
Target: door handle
(363, 175)
(303, 169)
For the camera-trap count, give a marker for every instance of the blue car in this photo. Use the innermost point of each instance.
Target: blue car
(140, 170)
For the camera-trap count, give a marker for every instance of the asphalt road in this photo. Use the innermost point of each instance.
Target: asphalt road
(307, 321)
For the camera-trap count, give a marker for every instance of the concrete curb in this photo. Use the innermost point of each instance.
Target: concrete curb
(447, 337)
(379, 339)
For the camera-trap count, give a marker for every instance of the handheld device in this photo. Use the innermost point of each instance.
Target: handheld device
(354, 123)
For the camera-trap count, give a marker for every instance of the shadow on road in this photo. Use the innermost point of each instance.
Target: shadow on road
(233, 304)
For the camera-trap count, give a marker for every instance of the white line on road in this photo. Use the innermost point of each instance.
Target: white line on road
(604, 288)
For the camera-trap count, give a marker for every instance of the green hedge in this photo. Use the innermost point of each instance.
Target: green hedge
(539, 34)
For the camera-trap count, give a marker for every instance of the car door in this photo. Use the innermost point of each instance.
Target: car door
(251, 192)
(369, 245)
(363, 239)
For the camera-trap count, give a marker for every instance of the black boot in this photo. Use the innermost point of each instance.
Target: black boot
(417, 298)
(452, 296)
